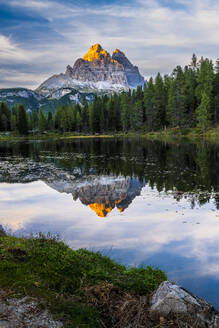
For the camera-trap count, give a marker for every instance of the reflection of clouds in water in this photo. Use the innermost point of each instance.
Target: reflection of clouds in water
(150, 225)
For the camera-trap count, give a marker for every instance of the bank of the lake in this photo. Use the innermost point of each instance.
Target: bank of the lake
(63, 279)
(44, 283)
(169, 134)
(190, 134)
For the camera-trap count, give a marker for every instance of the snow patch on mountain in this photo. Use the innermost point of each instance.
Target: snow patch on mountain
(59, 85)
(25, 93)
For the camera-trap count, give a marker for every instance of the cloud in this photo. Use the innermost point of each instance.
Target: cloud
(33, 4)
(156, 35)
(9, 50)
(16, 78)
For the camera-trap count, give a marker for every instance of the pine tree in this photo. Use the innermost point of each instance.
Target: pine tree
(94, 115)
(137, 116)
(13, 122)
(42, 123)
(203, 112)
(33, 120)
(50, 121)
(190, 84)
(194, 62)
(204, 90)
(215, 92)
(159, 104)
(5, 117)
(79, 120)
(84, 115)
(205, 78)
(125, 112)
(91, 115)
(22, 120)
(111, 114)
(149, 104)
(176, 99)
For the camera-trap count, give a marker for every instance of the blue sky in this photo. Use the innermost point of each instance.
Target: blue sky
(39, 38)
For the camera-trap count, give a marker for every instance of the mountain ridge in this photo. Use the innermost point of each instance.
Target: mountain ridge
(33, 100)
(97, 71)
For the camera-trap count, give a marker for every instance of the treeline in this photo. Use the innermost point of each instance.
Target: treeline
(189, 97)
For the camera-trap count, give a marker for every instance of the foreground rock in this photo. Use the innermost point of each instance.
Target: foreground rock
(172, 299)
(25, 312)
(169, 306)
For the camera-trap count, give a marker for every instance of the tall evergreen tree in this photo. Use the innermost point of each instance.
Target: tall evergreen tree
(205, 78)
(33, 120)
(5, 117)
(22, 120)
(50, 121)
(176, 99)
(137, 116)
(149, 104)
(203, 112)
(125, 112)
(42, 123)
(159, 104)
(84, 115)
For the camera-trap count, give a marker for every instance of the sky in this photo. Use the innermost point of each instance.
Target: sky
(39, 38)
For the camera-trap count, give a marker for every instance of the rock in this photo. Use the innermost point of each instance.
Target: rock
(25, 312)
(172, 299)
(5, 324)
(98, 66)
(96, 71)
(133, 76)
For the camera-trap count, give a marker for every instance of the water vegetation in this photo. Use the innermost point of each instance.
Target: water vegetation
(60, 278)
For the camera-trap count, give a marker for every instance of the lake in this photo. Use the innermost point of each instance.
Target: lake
(139, 202)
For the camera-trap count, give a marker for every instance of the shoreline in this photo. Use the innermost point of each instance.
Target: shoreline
(43, 282)
(168, 135)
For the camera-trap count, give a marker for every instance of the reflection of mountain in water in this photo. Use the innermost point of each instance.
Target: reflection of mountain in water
(182, 169)
(102, 194)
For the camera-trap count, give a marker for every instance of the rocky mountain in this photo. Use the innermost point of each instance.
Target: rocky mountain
(97, 71)
(33, 100)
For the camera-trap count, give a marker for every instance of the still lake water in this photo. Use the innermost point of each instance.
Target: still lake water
(137, 201)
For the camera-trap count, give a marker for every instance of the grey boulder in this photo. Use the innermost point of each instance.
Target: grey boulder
(172, 299)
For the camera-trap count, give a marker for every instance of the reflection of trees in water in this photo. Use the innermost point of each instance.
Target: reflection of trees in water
(189, 170)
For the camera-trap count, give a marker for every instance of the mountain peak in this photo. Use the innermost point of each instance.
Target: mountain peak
(96, 52)
(117, 51)
(97, 71)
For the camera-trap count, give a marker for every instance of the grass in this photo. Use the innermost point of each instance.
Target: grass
(59, 277)
(52, 135)
(178, 134)
(170, 134)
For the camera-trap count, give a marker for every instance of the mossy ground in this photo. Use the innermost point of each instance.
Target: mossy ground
(59, 277)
